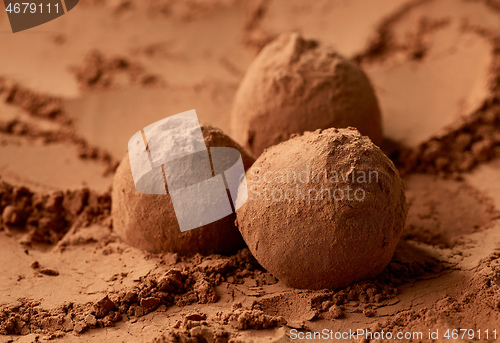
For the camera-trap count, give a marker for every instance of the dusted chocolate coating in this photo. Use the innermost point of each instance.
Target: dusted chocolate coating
(148, 221)
(296, 85)
(308, 238)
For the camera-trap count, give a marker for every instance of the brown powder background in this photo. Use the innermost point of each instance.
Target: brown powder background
(72, 92)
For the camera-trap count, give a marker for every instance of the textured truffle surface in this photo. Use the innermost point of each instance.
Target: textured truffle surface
(300, 228)
(149, 222)
(296, 85)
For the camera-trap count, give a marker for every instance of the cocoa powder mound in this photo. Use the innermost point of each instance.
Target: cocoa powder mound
(149, 222)
(242, 319)
(296, 85)
(47, 217)
(193, 284)
(476, 306)
(194, 331)
(470, 140)
(98, 72)
(331, 240)
(42, 105)
(36, 104)
(193, 281)
(66, 134)
(473, 141)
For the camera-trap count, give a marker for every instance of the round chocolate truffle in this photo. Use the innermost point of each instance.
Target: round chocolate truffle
(296, 85)
(149, 221)
(324, 209)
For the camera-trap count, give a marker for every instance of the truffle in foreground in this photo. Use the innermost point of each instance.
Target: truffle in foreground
(149, 222)
(324, 210)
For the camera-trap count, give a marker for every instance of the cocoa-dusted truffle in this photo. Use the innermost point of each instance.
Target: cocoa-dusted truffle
(148, 221)
(324, 209)
(296, 85)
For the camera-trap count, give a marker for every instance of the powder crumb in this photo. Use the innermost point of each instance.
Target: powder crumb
(103, 307)
(91, 320)
(369, 313)
(80, 327)
(336, 312)
(48, 271)
(98, 72)
(249, 319)
(150, 303)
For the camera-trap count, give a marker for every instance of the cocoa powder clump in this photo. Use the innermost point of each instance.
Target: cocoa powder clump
(46, 217)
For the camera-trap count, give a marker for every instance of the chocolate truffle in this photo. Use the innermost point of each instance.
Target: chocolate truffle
(149, 222)
(324, 209)
(296, 85)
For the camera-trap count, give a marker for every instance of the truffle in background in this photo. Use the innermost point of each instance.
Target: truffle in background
(296, 85)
